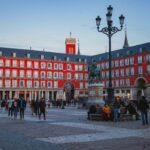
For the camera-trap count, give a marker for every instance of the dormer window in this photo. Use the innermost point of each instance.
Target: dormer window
(140, 50)
(79, 59)
(0, 53)
(55, 58)
(117, 54)
(85, 60)
(42, 56)
(128, 52)
(14, 54)
(67, 58)
(28, 55)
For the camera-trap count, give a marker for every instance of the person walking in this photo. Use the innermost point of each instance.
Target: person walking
(22, 107)
(32, 105)
(116, 107)
(10, 107)
(42, 106)
(143, 107)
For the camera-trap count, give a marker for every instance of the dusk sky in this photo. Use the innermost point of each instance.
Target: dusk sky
(46, 23)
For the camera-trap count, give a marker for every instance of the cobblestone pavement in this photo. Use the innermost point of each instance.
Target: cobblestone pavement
(68, 129)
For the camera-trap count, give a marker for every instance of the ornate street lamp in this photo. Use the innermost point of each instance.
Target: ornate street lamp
(109, 31)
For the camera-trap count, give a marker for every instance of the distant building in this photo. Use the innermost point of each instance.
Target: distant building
(34, 74)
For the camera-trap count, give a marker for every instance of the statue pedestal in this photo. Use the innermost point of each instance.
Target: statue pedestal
(95, 91)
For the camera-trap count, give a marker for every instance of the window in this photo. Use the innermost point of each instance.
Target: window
(7, 83)
(81, 85)
(1, 62)
(36, 65)
(29, 74)
(49, 75)
(68, 76)
(131, 60)
(49, 65)
(14, 63)
(117, 73)
(29, 84)
(43, 74)
(139, 59)
(132, 71)
(14, 73)
(103, 75)
(7, 63)
(21, 73)
(127, 72)
(76, 76)
(36, 84)
(43, 65)
(86, 76)
(76, 67)
(42, 56)
(107, 65)
(128, 82)
(148, 58)
(61, 75)
(112, 73)
(35, 74)
(86, 85)
(21, 83)
(80, 67)
(14, 83)
(1, 83)
(127, 61)
(43, 84)
(107, 74)
(60, 66)
(22, 64)
(1, 72)
(49, 84)
(55, 75)
(122, 82)
(122, 72)
(7, 73)
(86, 68)
(116, 63)
(29, 64)
(55, 66)
(80, 76)
(122, 62)
(55, 84)
(117, 83)
(140, 70)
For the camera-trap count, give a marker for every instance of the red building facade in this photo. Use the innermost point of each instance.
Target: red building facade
(34, 74)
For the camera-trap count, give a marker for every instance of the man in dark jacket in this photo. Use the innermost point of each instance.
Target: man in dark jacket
(42, 106)
(143, 107)
(22, 107)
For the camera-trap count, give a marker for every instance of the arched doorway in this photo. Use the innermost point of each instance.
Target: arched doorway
(69, 91)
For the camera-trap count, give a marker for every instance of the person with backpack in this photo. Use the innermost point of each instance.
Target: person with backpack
(22, 107)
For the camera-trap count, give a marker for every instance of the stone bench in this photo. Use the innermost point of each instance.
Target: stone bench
(96, 117)
(126, 117)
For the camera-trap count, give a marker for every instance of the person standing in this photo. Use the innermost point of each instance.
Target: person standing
(143, 107)
(15, 106)
(37, 111)
(22, 107)
(116, 107)
(42, 106)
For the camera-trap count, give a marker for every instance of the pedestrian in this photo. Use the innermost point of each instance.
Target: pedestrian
(3, 103)
(116, 108)
(42, 106)
(10, 107)
(22, 107)
(143, 107)
(15, 106)
(37, 109)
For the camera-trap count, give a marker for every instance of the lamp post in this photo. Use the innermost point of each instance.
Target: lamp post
(110, 30)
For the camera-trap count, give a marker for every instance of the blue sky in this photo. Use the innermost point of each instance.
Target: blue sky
(46, 23)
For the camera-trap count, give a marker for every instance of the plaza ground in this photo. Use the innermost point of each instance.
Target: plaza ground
(68, 129)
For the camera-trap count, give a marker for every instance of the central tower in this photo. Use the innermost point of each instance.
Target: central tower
(70, 45)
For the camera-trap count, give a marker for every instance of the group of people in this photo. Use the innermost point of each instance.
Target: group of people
(13, 106)
(38, 107)
(112, 111)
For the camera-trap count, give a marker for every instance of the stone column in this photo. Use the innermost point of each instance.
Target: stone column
(10, 94)
(3, 94)
(30, 96)
(52, 95)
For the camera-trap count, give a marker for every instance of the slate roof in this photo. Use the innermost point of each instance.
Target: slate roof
(35, 54)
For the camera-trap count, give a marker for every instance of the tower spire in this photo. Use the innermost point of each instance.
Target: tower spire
(78, 47)
(126, 44)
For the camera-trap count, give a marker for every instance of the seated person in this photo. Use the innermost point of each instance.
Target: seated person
(92, 110)
(106, 112)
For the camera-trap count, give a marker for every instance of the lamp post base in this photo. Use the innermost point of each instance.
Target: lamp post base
(110, 92)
